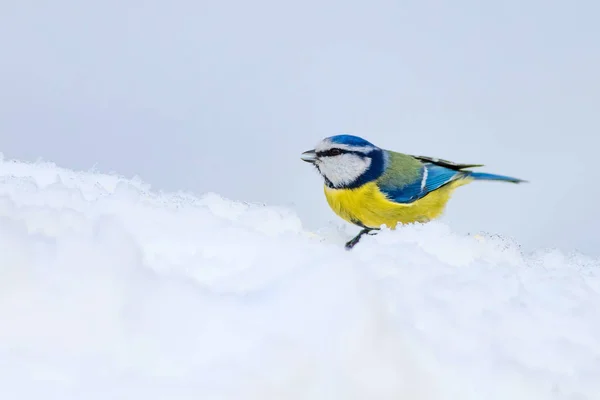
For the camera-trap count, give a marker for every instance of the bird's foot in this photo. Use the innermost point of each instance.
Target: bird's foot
(352, 242)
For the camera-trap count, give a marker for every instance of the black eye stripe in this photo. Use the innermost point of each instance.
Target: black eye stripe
(331, 152)
(335, 152)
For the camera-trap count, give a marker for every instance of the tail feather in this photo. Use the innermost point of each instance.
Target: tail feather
(484, 176)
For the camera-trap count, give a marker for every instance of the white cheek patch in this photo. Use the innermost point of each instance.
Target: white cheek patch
(343, 169)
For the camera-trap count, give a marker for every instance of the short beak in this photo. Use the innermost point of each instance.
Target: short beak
(309, 156)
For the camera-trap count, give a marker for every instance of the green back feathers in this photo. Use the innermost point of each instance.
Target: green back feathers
(402, 170)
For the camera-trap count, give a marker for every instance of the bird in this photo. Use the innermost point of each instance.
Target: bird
(371, 187)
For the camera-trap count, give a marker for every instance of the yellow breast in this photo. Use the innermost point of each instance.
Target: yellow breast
(369, 206)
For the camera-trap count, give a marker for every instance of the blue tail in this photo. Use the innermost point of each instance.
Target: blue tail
(483, 176)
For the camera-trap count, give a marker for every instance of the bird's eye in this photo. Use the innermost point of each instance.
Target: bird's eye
(335, 152)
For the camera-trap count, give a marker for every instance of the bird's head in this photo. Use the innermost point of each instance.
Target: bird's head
(346, 161)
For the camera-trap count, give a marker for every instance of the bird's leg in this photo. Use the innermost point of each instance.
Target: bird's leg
(352, 242)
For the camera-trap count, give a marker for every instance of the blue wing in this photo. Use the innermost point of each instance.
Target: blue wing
(431, 177)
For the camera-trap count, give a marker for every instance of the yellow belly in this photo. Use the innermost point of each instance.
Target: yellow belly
(370, 207)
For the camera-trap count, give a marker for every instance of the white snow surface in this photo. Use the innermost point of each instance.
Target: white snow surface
(109, 290)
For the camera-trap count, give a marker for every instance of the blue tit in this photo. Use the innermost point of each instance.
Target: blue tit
(371, 187)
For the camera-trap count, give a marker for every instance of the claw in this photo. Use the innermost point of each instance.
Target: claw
(352, 242)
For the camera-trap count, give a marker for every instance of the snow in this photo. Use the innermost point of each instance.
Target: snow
(109, 290)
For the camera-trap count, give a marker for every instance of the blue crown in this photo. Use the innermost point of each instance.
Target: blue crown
(350, 140)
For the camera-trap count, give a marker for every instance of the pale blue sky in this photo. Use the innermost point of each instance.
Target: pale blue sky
(223, 96)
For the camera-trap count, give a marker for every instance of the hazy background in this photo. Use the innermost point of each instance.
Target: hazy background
(223, 96)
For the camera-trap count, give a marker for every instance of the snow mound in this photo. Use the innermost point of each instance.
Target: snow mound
(109, 290)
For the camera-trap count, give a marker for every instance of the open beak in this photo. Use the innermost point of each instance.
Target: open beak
(309, 156)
